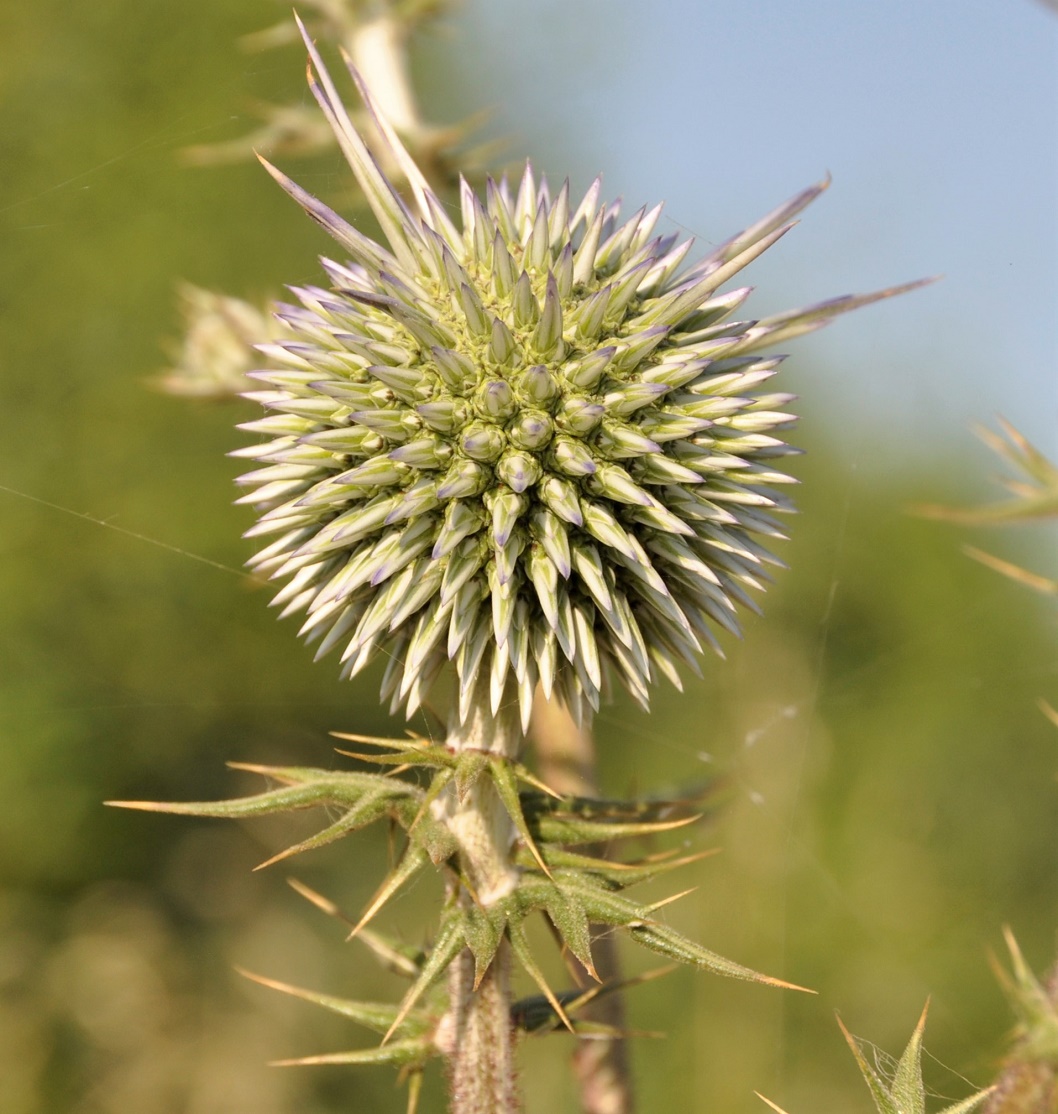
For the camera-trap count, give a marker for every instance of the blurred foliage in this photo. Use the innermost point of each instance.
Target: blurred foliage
(1034, 497)
(898, 1088)
(893, 797)
(1028, 1081)
(217, 349)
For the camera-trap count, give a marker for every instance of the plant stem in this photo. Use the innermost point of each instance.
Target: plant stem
(481, 1063)
(478, 1036)
(566, 762)
(378, 48)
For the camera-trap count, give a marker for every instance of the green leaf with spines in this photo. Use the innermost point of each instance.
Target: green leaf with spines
(573, 820)
(615, 874)
(392, 954)
(1035, 1005)
(503, 778)
(450, 940)
(470, 766)
(603, 905)
(905, 1093)
(371, 807)
(411, 757)
(674, 945)
(571, 923)
(536, 1014)
(431, 835)
(520, 947)
(304, 788)
(484, 930)
(372, 1015)
(401, 1053)
(411, 862)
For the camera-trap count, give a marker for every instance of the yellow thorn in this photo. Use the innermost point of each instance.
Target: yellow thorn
(380, 899)
(669, 900)
(1048, 711)
(1042, 584)
(378, 740)
(531, 779)
(382, 895)
(285, 854)
(321, 902)
(782, 984)
(264, 771)
(778, 1109)
(261, 980)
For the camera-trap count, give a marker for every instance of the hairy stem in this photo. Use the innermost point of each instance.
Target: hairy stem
(478, 1037)
(566, 762)
(481, 1063)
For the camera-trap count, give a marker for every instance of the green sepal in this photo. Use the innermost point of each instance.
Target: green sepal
(470, 765)
(434, 837)
(571, 921)
(505, 780)
(483, 929)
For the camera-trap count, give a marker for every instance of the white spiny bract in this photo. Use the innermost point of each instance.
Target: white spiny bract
(533, 445)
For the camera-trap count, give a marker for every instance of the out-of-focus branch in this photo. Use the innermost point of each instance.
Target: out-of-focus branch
(375, 37)
(1034, 491)
(565, 756)
(216, 351)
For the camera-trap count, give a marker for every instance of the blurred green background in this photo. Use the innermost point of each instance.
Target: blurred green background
(893, 794)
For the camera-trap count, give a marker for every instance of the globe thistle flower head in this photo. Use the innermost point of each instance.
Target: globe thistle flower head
(531, 443)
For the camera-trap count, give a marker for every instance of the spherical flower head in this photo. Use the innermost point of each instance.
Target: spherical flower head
(533, 445)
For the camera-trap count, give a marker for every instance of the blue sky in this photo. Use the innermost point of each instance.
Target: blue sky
(938, 120)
